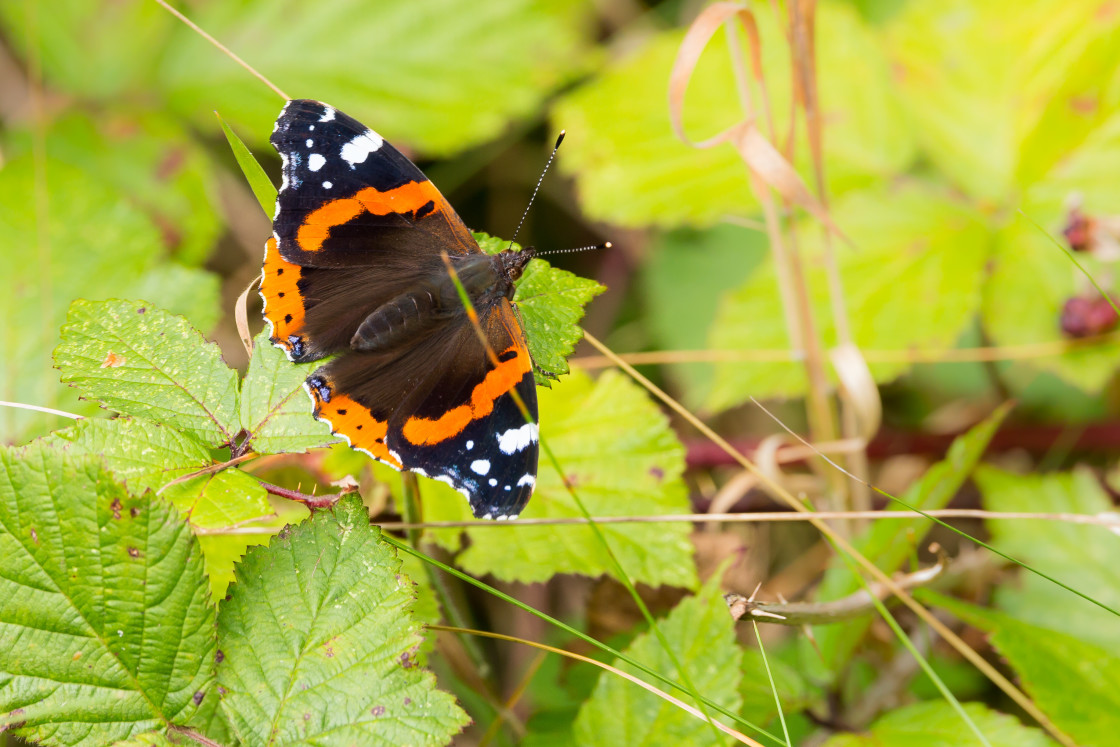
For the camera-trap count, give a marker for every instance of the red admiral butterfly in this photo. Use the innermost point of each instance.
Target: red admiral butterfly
(354, 269)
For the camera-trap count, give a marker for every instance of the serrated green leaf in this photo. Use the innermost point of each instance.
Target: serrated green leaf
(550, 302)
(263, 188)
(148, 739)
(222, 499)
(323, 615)
(143, 454)
(617, 449)
(139, 360)
(436, 61)
(275, 410)
(1085, 557)
(702, 635)
(976, 104)
(833, 645)
(913, 280)
(630, 169)
(937, 724)
(105, 631)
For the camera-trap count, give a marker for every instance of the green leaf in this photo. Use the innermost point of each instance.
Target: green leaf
(683, 278)
(105, 631)
(263, 188)
(223, 499)
(148, 739)
(1075, 683)
(976, 104)
(617, 449)
(428, 94)
(275, 410)
(143, 454)
(630, 169)
(937, 724)
(147, 158)
(1085, 557)
(702, 635)
(833, 645)
(139, 360)
(913, 280)
(97, 244)
(324, 615)
(550, 302)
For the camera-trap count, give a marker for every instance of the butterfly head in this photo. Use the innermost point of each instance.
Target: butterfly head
(512, 263)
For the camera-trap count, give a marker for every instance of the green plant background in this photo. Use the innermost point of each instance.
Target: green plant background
(956, 135)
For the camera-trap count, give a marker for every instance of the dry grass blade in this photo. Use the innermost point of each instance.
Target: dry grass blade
(761, 157)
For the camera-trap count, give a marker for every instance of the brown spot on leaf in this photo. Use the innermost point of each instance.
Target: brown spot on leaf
(116, 506)
(112, 360)
(141, 310)
(408, 701)
(133, 552)
(198, 696)
(219, 657)
(134, 511)
(658, 473)
(407, 661)
(34, 536)
(377, 710)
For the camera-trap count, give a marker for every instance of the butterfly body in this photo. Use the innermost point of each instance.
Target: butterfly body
(355, 269)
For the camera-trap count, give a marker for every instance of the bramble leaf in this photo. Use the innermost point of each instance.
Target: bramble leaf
(550, 302)
(140, 360)
(622, 458)
(105, 631)
(275, 410)
(323, 615)
(702, 636)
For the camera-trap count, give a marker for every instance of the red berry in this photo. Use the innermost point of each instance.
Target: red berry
(1087, 317)
(1078, 230)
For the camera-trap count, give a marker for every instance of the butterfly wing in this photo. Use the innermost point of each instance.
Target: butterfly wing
(444, 409)
(356, 224)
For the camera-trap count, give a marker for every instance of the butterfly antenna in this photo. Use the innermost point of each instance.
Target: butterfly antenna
(606, 245)
(536, 189)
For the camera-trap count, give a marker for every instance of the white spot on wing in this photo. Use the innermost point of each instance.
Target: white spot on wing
(328, 114)
(310, 142)
(315, 161)
(493, 482)
(527, 480)
(470, 445)
(516, 439)
(357, 150)
(480, 466)
(327, 185)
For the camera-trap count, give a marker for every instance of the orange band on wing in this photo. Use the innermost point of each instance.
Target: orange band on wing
(282, 303)
(349, 419)
(407, 198)
(498, 382)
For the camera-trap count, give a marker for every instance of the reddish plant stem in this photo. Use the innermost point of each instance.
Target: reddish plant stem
(311, 501)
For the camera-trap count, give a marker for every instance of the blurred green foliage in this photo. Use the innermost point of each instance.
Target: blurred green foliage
(957, 136)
